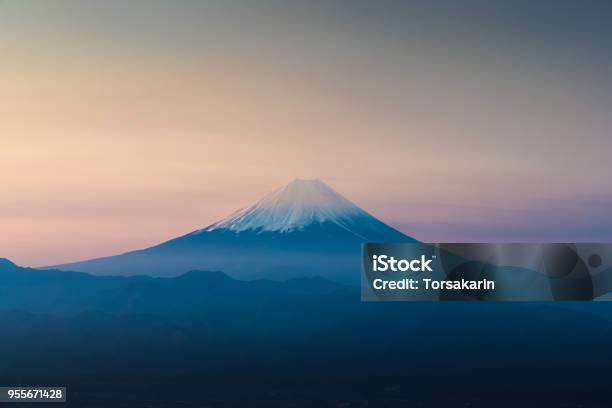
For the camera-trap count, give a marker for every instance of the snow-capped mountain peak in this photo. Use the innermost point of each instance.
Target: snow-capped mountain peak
(302, 229)
(293, 207)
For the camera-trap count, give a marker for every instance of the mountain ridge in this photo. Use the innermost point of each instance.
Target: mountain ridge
(38, 291)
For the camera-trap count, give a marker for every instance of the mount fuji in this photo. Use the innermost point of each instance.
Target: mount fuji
(303, 229)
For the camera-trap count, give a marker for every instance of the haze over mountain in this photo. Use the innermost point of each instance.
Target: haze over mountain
(302, 229)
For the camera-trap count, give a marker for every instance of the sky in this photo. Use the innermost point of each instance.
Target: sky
(124, 124)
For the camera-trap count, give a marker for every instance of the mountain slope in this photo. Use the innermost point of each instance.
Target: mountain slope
(303, 229)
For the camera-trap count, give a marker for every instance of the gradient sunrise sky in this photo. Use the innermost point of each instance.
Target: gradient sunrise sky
(126, 123)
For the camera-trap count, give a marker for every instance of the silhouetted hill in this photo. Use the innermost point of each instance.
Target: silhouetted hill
(68, 293)
(205, 337)
(7, 265)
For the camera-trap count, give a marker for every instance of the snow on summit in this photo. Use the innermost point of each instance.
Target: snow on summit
(293, 207)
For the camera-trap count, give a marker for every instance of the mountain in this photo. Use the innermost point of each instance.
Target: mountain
(302, 229)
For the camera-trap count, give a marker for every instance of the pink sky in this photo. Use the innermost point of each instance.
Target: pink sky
(112, 140)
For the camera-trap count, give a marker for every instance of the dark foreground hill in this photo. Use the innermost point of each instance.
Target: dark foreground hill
(204, 339)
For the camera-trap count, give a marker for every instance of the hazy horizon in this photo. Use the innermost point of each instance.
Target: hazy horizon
(125, 124)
